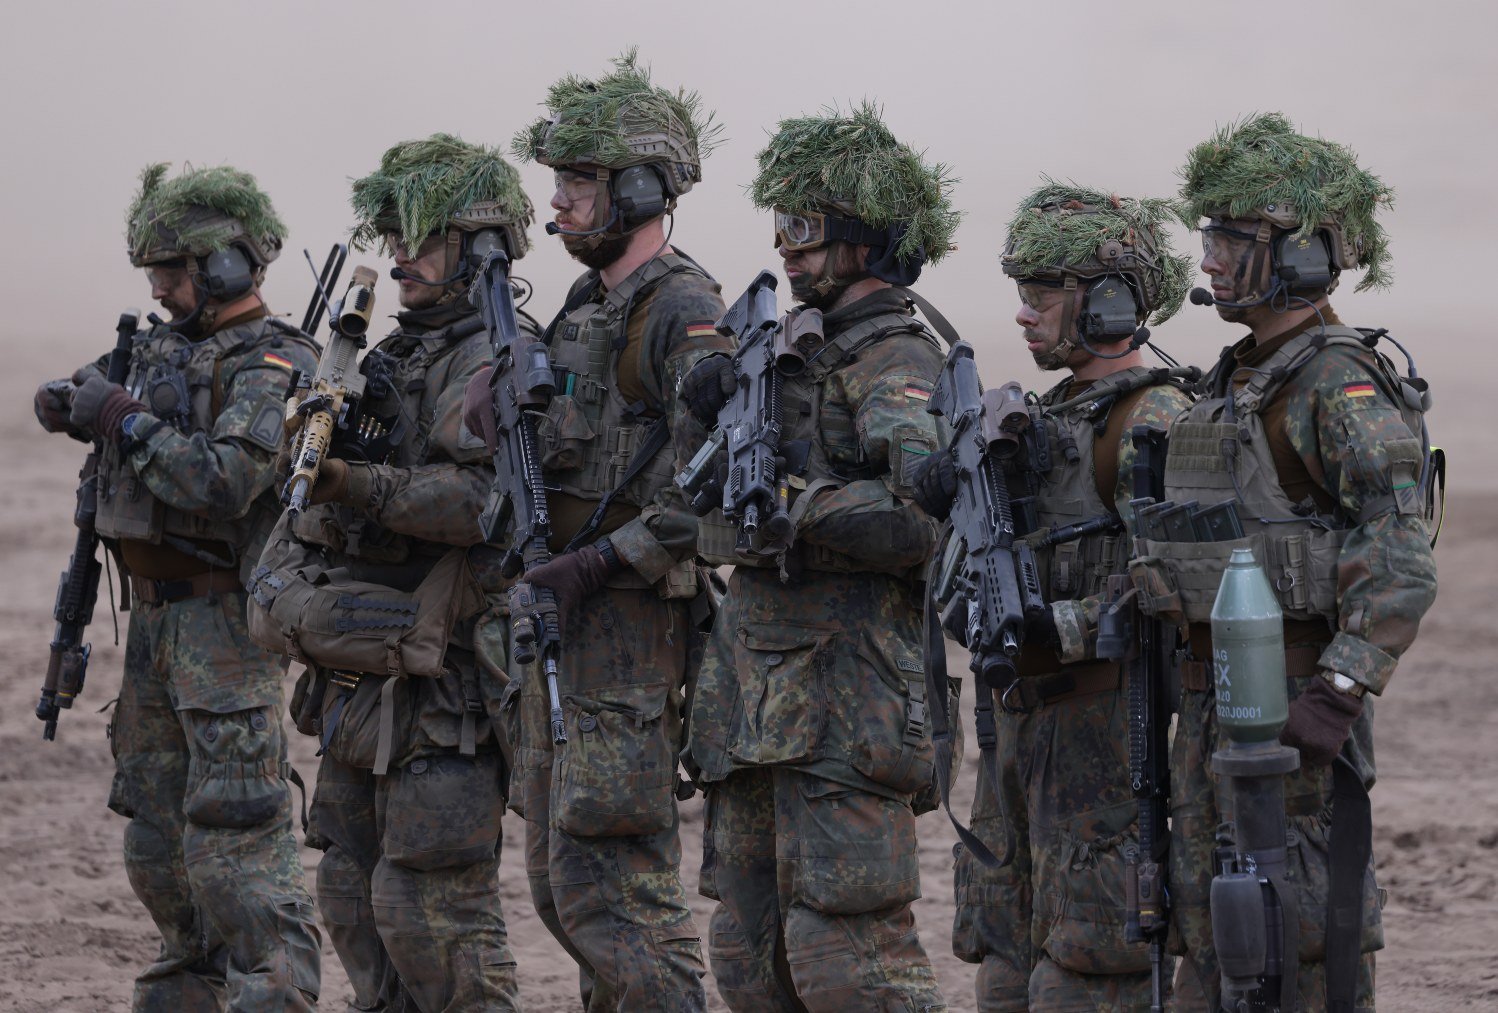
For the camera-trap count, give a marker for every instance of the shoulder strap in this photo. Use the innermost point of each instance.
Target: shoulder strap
(1273, 373)
(943, 327)
(840, 349)
(1114, 386)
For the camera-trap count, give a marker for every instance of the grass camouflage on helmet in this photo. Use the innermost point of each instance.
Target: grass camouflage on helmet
(201, 211)
(852, 164)
(1261, 168)
(619, 120)
(426, 186)
(1062, 228)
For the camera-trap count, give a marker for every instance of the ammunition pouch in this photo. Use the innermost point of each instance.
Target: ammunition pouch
(1179, 580)
(327, 618)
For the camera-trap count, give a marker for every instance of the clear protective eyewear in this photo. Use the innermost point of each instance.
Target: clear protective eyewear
(1218, 239)
(576, 185)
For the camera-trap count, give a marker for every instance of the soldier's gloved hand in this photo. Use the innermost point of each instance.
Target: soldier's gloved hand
(478, 408)
(706, 388)
(574, 576)
(100, 406)
(1040, 627)
(1319, 722)
(934, 485)
(332, 481)
(53, 406)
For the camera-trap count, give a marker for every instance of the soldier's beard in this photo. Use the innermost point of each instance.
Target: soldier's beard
(597, 256)
(1049, 358)
(804, 292)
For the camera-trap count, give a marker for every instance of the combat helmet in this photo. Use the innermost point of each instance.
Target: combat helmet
(199, 213)
(1115, 249)
(845, 177)
(1295, 186)
(618, 122)
(443, 185)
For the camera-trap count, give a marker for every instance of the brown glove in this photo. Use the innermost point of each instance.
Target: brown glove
(478, 408)
(100, 406)
(1319, 722)
(53, 406)
(332, 481)
(575, 576)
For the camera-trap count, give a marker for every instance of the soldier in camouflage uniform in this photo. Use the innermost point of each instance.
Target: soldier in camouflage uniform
(808, 722)
(410, 790)
(1048, 928)
(603, 853)
(1327, 468)
(185, 502)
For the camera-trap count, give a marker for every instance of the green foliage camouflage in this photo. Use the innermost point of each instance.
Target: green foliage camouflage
(1062, 224)
(1261, 160)
(851, 162)
(177, 208)
(593, 121)
(422, 185)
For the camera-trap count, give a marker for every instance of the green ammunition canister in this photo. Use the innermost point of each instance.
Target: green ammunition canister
(1248, 653)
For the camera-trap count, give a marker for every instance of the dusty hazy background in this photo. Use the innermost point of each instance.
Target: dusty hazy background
(308, 96)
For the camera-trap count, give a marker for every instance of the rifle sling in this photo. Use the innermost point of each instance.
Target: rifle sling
(1349, 848)
(941, 738)
(943, 327)
(655, 438)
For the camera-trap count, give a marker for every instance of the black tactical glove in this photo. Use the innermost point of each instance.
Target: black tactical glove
(1040, 627)
(707, 387)
(935, 485)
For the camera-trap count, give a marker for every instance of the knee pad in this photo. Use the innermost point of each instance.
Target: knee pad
(235, 778)
(443, 811)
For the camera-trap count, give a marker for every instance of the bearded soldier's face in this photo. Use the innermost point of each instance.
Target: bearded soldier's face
(429, 263)
(1041, 311)
(173, 288)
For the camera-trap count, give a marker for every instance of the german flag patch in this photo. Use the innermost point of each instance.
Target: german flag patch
(914, 393)
(272, 359)
(1359, 390)
(701, 329)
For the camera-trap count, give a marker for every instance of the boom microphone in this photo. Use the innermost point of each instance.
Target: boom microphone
(1201, 297)
(400, 275)
(553, 229)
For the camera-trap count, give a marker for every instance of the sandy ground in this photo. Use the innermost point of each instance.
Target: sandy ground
(72, 935)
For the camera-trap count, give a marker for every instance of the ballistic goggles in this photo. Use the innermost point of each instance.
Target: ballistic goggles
(815, 229)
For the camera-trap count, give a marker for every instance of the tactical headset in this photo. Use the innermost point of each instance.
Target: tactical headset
(636, 195)
(1301, 266)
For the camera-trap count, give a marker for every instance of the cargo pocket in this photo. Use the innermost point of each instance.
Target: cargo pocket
(1084, 904)
(861, 856)
(564, 434)
(1309, 872)
(617, 768)
(891, 741)
(443, 812)
(782, 702)
(234, 777)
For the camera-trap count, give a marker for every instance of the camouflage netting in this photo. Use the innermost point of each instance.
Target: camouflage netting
(421, 186)
(853, 164)
(1261, 160)
(200, 212)
(1062, 225)
(595, 121)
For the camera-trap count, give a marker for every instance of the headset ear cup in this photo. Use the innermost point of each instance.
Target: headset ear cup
(1110, 309)
(228, 274)
(639, 192)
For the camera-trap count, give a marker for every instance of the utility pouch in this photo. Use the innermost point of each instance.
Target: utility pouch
(893, 741)
(782, 680)
(327, 618)
(617, 771)
(564, 434)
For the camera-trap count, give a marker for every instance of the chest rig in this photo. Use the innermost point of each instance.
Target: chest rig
(183, 384)
(820, 443)
(590, 434)
(1067, 493)
(405, 375)
(1219, 451)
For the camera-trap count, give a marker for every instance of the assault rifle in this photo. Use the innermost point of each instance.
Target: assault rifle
(992, 584)
(328, 398)
(1146, 646)
(522, 385)
(752, 489)
(78, 586)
